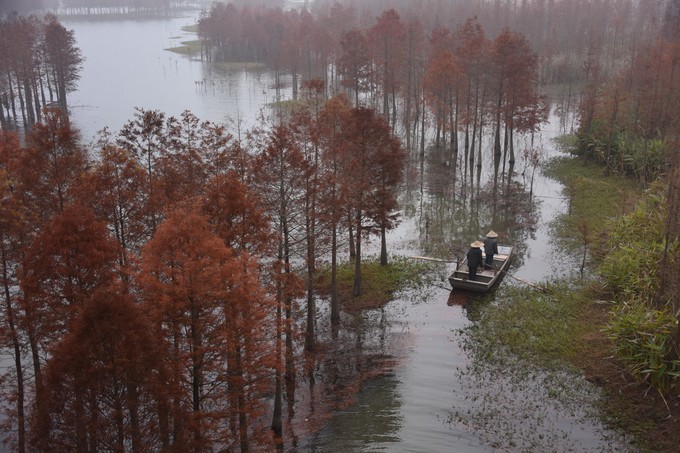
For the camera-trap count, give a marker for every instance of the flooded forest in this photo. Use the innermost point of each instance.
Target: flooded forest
(230, 226)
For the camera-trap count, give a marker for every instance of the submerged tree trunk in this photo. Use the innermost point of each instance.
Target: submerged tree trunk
(335, 306)
(14, 337)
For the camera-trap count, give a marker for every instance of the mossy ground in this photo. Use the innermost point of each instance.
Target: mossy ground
(379, 283)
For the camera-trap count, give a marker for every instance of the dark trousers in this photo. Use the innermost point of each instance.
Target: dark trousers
(472, 273)
(488, 260)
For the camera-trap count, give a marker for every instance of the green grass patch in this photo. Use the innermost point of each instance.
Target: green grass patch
(594, 201)
(380, 284)
(591, 195)
(540, 328)
(190, 28)
(187, 48)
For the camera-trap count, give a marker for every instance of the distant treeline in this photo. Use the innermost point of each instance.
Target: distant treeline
(97, 7)
(41, 64)
(122, 7)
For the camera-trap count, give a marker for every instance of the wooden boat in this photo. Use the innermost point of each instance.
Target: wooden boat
(485, 279)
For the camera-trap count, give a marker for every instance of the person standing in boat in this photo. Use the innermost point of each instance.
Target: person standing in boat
(474, 259)
(490, 248)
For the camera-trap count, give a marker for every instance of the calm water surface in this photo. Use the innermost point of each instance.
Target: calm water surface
(127, 66)
(429, 401)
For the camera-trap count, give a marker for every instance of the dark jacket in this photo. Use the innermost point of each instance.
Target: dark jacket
(474, 257)
(490, 246)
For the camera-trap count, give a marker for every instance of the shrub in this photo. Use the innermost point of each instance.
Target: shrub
(636, 243)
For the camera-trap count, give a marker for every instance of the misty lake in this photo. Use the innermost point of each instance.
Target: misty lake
(127, 66)
(411, 407)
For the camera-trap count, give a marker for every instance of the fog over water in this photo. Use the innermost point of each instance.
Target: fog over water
(127, 66)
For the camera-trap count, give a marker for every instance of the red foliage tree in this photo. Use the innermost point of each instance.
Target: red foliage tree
(442, 82)
(11, 233)
(210, 308)
(386, 38)
(372, 169)
(106, 384)
(517, 104)
(22, 36)
(71, 257)
(144, 137)
(331, 123)
(413, 74)
(183, 269)
(354, 64)
(235, 214)
(64, 59)
(281, 172)
(333, 25)
(472, 52)
(50, 167)
(113, 188)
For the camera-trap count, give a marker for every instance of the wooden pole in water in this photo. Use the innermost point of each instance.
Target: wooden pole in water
(427, 258)
(540, 288)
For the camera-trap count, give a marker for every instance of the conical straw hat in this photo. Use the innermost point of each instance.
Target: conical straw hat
(476, 244)
(492, 234)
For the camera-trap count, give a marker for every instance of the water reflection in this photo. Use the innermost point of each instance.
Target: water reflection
(457, 211)
(371, 425)
(394, 411)
(523, 408)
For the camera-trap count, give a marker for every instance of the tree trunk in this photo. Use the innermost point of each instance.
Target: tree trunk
(357, 260)
(335, 306)
(352, 249)
(133, 412)
(311, 306)
(311, 255)
(383, 245)
(278, 395)
(512, 145)
(196, 380)
(242, 406)
(290, 361)
(9, 314)
(422, 127)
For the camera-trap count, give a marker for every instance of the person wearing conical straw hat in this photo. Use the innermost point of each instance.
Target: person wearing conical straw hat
(490, 248)
(474, 259)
